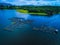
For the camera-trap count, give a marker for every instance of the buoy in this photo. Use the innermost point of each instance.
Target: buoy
(56, 31)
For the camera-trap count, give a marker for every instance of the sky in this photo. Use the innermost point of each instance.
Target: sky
(33, 2)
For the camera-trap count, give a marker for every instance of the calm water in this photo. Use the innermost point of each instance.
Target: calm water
(25, 35)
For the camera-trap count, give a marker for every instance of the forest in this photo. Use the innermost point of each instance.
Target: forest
(49, 10)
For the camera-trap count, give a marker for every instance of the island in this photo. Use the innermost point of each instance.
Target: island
(39, 10)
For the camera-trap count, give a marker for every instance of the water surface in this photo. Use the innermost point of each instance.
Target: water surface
(25, 35)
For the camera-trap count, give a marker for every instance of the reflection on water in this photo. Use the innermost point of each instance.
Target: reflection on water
(23, 33)
(25, 16)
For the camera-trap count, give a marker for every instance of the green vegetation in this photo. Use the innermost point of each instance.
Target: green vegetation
(27, 12)
(22, 11)
(39, 10)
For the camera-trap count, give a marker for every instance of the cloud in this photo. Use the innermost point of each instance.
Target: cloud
(2, 0)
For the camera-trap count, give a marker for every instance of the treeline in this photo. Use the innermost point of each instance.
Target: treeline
(42, 9)
(36, 9)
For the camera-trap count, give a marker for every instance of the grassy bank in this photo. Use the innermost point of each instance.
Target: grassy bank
(27, 12)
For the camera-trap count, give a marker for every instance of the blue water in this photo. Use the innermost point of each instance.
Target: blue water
(25, 35)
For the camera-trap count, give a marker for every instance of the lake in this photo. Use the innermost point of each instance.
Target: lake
(25, 35)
